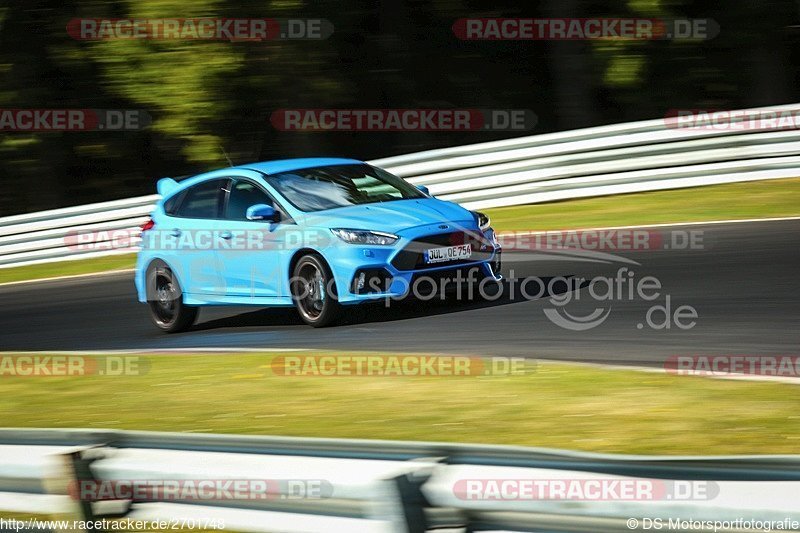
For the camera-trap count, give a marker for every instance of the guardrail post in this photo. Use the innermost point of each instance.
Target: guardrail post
(412, 500)
(80, 471)
(79, 463)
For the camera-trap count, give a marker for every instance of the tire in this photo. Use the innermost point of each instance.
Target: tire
(165, 300)
(314, 292)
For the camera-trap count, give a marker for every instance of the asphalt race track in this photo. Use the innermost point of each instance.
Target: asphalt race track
(742, 284)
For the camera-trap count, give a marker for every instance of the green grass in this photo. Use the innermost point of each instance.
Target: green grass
(67, 268)
(559, 405)
(759, 199)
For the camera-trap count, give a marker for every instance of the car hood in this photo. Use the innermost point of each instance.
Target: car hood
(392, 217)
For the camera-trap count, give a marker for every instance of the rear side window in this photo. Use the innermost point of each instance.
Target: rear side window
(203, 200)
(173, 203)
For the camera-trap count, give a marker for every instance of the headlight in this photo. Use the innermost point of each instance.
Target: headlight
(358, 236)
(483, 220)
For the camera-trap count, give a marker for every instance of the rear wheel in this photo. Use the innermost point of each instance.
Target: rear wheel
(164, 296)
(314, 292)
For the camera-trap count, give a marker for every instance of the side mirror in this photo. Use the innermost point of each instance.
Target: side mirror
(424, 189)
(262, 212)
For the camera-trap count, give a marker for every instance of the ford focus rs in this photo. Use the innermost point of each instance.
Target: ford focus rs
(317, 234)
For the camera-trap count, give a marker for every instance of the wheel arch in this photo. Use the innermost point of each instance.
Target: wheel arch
(307, 251)
(175, 272)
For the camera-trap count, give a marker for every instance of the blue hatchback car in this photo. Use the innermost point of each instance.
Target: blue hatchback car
(318, 234)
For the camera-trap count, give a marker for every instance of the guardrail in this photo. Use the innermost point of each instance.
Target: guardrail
(621, 158)
(385, 486)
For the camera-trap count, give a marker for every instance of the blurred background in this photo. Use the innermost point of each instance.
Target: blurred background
(205, 96)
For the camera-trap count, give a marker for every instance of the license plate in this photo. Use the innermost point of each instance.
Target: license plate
(448, 253)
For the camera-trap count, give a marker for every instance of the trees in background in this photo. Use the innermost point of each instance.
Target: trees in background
(206, 97)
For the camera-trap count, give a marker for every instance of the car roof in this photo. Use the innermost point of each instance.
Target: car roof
(167, 189)
(287, 165)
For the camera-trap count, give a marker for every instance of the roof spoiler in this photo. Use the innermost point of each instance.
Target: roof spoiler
(166, 186)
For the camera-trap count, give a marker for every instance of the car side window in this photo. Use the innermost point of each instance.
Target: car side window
(243, 195)
(203, 200)
(173, 203)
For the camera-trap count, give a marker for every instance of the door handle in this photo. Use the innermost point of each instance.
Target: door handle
(176, 232)
(226, 235)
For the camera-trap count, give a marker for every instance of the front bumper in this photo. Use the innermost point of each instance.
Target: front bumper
(365, 273)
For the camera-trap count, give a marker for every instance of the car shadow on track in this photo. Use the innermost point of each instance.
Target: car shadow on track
(505, 293)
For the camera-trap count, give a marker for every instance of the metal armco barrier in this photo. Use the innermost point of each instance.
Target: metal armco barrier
(385, 486)
(616, 159)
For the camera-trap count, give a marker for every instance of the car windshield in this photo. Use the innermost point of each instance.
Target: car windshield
(315, 189)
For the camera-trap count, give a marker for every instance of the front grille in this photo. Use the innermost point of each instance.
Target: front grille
(412, 257)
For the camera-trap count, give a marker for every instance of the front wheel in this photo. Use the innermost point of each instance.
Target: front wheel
(164, 296)
(314, 292)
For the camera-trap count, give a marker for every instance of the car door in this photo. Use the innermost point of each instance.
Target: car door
(189, 234)
(251, 263)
